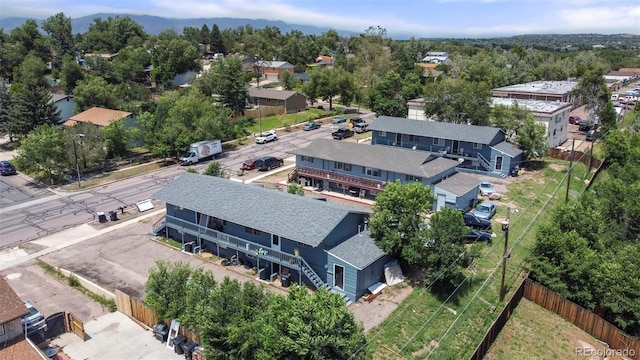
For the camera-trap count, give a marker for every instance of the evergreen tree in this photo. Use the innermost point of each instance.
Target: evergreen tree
(31, 107)
(216, 43)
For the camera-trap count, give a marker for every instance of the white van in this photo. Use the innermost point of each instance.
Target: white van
(361, 127)
(614, 97)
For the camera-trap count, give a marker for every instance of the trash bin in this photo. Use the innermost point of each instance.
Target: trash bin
(160, 331)
(177, 344)
(113, 216)
(188, 246)
(187, 348)
(102, 218)
(285, 280)
(262, 274)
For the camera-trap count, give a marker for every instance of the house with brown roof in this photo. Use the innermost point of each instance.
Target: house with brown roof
(269, 70)
(13, 344)
(291, 101)
(101, 117)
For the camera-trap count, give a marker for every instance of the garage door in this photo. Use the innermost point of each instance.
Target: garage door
(272, 77)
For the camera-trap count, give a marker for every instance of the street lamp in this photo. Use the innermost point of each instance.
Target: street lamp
(75, 154)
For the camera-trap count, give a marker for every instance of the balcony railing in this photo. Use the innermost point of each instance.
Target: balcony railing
(337, 177)
(247, 247)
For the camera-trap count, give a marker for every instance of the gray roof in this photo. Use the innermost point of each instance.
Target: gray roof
(435, 129)
(276, 64)
(540, 87)
(507, 148)
(271, 93)
(58, 97)
(359, 251)
(388, 158)
(459, 183)
(294, 217)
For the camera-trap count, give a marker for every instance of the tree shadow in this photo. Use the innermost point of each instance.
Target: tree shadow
(532, 165)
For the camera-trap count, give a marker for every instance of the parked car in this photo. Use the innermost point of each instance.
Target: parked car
(477, 235)
(575, 120)
(338, 119)
(34, 320)
(591, 135)
(311, 126)
(267, 163)
(471, 220)
(356, 120)
(6, 168)
(485, 210)
(361, 127)
(486, 188)
(342, 133)
(249, 164)
(584, 126)
(266, 137)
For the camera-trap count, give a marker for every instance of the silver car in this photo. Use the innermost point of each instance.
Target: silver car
(34, 320)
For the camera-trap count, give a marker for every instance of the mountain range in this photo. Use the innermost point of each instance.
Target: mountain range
(154, 25)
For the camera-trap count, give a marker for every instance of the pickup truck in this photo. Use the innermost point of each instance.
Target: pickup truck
(342, 133)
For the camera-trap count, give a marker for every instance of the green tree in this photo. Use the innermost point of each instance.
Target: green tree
(310, 326)
(171, 56)
(71, 74)
(32, 70)
(5, 105)
(225, 79)
(95, 91)
(397, 222)
(289, 82)
(165, 288)
(295, 188)
(593, 92)
(130, 65)
(215, 169)
(216, 43)
(43, 153)
(205, 35)
(532, 138)
(115, 138)
(59, 29)
(197, 297)
(328, 83)
(386, 98)
(458, 101)
(123, 31)
(30, 108)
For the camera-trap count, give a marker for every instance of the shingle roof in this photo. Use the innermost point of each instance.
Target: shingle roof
(97, 116)
(276, 64)
(12, 307)
(58, 97)
(459, 184)
(507, 148)
(360, 250)
(271, 93)
(294, 217)
(388, 158)
(435, 129)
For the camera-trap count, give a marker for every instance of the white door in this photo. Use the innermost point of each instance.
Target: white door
(441, 201)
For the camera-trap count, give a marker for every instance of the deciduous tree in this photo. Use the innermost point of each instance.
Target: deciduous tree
(43, 153)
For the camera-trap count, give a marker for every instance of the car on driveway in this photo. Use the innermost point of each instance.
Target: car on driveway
(356, 120)
(486, 188)
(485, 210)
(342, 133)
(311, 126)
(360, 128)
(267, 163)
(575, 120)
(476, 235)
(266, 137)
(584, 126)
(249, 164)
(6, 168)
(475, 222)
(34, 320)
(338, 119)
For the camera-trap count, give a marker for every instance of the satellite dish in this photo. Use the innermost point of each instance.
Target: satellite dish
(460, 160)
(414, 147)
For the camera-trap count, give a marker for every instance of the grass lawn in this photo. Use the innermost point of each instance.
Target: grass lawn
(287, 120)
(425, 326)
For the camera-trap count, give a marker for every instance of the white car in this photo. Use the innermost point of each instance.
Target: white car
(266, 137)
(486, 188)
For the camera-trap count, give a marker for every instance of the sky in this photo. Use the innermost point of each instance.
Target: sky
(401, 18)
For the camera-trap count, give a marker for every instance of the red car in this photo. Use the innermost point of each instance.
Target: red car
(249, 164)
(575, 120)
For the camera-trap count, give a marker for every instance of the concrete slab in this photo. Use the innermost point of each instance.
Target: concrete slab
(114, 336)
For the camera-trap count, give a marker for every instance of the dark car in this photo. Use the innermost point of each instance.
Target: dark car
(249, 164)
(342, 133)
(311, 126)
(356, 120)
(476, 235)
(6, 168)
(268, 162)
(584, 126)
(475, 222)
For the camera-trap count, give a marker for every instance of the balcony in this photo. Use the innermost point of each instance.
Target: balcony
(355, 181)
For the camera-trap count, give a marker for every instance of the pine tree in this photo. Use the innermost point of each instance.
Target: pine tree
(31, 107)
(217, 43)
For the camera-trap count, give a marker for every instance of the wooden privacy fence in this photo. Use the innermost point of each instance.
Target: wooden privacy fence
(137, 310)
(75, 325)
(582, 318)
(264, 111)
(577, 156)
(498, 324)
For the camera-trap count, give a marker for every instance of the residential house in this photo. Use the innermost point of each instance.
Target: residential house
(101, 117)
(316, 243)
(13, 344)
(416, 109)
(561, 91)
(363, 170)
(436, 57)
(553, 115)
(269, 70)
(291, 101)
(459, 191)
(477, 148)
(65, 104)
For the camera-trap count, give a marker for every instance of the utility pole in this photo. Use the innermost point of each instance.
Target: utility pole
(505, 229)
(566, 195)
(75, 155)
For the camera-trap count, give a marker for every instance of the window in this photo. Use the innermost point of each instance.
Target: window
(342, 166)
(372, 171)
(252, 231)
(477, 146)
(1, 329)
(306, 158)
(413, 178)
(382, 133)
(438, 142)
(413, 138)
